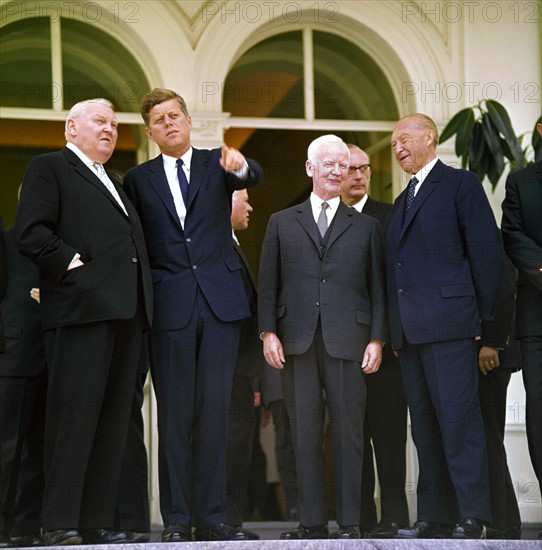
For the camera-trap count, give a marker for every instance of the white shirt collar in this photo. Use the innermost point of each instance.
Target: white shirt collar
(316, 205)
(361, 204)
(81, 155)
(172, 161)
(424, 172)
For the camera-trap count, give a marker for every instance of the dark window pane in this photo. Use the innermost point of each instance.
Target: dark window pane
(267, 81)
(348, 84)
(25, 65)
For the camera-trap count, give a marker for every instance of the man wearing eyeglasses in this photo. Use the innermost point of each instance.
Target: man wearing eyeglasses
(321, 305)
(386, 412)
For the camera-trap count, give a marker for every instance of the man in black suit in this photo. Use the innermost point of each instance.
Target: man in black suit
(249, 366)
(385, 424)
(321, 305)
(23, 384)
(498, 358)
(522, 233)
(183, 197)
(3, 277)
(96, 299)
(444, 266)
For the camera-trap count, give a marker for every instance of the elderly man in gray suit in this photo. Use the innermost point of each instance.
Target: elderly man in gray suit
(321, 312)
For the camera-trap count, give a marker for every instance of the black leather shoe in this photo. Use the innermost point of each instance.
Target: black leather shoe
(5, 541)
(251, 535)
(176, 532)
(27, 541)
(63, 537)
(302, 532)
(425, 530)
(384, 530)
(469, 528)
(137, 536)
(105, 536)
(222, 531)
(513, 533)
(346, 532)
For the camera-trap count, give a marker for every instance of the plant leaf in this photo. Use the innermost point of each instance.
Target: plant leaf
(493, 140)
(499, 117)
(455, 124)
(477, 152)
(464, 132)
(536, 142)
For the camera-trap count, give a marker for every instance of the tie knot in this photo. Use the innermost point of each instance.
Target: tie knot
(413, 180)
(180, 163)
(325, 206)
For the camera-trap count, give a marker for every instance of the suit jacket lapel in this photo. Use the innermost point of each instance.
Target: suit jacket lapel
(198, 169)
(157, 178)
(86, 173)
(427, 187)
(343, 220)
(306, 219)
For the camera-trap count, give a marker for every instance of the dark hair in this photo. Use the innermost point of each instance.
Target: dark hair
(157, 96)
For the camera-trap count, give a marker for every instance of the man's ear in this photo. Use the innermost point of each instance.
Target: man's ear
(70, 127)
(309, 168)
(148, 131)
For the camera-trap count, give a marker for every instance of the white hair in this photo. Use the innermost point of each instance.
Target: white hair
(314, 147)
(79, 108)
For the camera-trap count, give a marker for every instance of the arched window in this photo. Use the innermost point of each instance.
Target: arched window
(292, 87)
(47, 64)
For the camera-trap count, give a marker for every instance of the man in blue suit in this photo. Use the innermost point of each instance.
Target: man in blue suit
(184, 199)
(444, 265)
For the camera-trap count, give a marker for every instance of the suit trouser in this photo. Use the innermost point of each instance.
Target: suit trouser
(531, 363)
(441, 386)
(240, 433)
(92, 372)
(492, 392)
(192, 370)
(132, 510)
(22, 411)
(284, 454)
(311, 381)
(385, 427)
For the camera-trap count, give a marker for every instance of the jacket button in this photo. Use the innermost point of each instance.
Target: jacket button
(194, 267)
(399, 264)
(188, 240)
(317, 303)
(323, 280)
(134, 260)
(400, 291)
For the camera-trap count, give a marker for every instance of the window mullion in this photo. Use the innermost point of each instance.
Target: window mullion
(57, 92)
(308, 70)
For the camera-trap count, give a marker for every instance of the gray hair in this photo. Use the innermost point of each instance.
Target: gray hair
(80, 107)
(314, 147)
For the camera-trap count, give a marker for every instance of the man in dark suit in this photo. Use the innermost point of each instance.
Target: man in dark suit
(184, 199)
(96, 300)
(3, 278)
(522, 234)
(444, 264)
(322, 321)
(23, 384)
(498, 358)
(385, 424)
(248, 366)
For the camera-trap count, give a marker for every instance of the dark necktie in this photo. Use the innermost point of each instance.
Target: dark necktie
(322, 219)
(410, 192)
(183, 182)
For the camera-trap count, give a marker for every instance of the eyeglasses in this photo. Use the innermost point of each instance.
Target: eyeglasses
(362, 168)
(329, 166)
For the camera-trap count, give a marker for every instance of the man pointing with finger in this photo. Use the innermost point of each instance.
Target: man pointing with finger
(184, 199)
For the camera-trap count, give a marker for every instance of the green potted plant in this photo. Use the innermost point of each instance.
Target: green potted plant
(485, 140)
